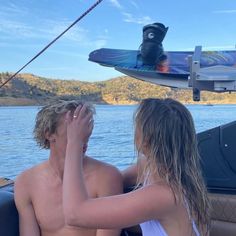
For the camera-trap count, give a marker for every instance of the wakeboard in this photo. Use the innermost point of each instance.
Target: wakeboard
(172, 72)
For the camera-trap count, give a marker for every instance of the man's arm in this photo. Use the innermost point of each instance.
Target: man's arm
(27, 220)
(130, 174)
(112, 184)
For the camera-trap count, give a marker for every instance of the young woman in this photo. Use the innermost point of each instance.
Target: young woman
(172, 199)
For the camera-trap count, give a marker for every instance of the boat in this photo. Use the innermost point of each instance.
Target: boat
(218, 152)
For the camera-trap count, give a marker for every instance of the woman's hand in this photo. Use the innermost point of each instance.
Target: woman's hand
(79, 125)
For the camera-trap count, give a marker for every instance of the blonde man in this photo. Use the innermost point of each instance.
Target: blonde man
(38, 191)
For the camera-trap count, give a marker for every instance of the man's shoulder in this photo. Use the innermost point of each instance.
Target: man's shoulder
(108, 176)
(103, 168)
(27, 176)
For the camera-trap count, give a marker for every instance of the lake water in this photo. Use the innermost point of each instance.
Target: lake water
(111, 141)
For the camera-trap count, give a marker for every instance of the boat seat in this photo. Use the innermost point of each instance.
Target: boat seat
(8, 214)
(223, 214)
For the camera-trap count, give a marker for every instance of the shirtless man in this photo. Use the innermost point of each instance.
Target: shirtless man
(38, 191)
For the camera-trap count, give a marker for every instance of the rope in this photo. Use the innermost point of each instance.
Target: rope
(53, 41)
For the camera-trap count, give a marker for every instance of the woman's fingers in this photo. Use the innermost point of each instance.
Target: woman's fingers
(77, 111)
(81, 111)
(84, 111)
(80, 124)
(68, 117)
(89, 120)
(83, 116)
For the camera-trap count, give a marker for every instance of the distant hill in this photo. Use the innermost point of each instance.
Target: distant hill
(28, 89)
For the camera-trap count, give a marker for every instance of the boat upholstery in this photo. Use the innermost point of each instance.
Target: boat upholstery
(223, 214)
(8, 214)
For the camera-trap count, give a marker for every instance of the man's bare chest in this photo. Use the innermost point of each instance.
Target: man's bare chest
(47, 204)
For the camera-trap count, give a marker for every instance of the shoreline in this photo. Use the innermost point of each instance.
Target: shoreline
(13, 101)
(31, 90)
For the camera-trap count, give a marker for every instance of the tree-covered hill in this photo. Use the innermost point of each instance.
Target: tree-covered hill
(28, 89)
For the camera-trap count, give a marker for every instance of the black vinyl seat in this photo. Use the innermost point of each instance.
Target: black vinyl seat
(9, 223)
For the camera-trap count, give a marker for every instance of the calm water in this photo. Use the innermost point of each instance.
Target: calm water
(111, 141)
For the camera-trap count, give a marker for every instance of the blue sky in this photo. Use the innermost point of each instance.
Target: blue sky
(26, 26)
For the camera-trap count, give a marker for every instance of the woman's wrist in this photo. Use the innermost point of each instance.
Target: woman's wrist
(76, 141)
(72, 145)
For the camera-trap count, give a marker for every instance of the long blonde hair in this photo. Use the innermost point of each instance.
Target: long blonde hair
(168, 134)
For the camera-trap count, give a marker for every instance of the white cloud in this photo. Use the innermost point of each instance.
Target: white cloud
(134, 4)
(11, 9)
(20, 45)
(49, 29)
(14, 24)
(144, 20)
(116, 4)
(128, 17)
(16, 29)
(54, 28)
(225, 12)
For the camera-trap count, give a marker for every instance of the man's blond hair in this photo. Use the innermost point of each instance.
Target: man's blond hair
(48, 118)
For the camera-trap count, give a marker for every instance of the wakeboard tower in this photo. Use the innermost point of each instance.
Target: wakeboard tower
(199, 70)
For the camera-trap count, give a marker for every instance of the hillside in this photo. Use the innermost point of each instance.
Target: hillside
(28, 89)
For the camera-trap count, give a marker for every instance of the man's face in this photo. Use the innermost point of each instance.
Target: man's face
(60, 137)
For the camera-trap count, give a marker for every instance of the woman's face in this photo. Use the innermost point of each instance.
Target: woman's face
(137, 138)
(141, 145)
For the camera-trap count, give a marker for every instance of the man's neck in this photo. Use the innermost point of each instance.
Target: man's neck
(56, 164)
